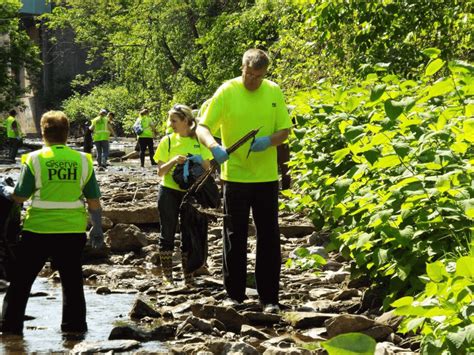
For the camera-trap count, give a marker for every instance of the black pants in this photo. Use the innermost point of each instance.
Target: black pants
(169, 201)
(13, 145)
(262, 198)
(145, 143)
(34, 249)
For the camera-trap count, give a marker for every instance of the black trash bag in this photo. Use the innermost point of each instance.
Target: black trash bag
(208, 195)
(194, 231)
(10, 228)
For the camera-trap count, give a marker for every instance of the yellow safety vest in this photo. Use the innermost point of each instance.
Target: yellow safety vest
(58, 202)
(10, 132)
(101, 129)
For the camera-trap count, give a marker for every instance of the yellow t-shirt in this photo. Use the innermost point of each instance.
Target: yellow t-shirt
(235, 111)
(172, 145)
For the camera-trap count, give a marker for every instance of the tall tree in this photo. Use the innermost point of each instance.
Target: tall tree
(17, 52)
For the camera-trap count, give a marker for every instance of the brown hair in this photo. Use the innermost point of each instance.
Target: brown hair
(185, 113)
(256, 59)
(54, 127)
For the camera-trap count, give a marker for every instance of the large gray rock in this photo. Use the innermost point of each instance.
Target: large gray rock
(197, 324)
(260, 318)
(125, 237)
(303, 320)
(347, 323)
(229, 316)
(141, 309)
(162, 333)
(86, 347)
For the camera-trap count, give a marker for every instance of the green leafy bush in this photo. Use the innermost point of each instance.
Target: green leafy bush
(444, 311)
(305, 260)
(117, 99)
(386, 165)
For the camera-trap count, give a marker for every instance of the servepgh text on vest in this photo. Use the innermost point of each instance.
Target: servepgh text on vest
(62, 169)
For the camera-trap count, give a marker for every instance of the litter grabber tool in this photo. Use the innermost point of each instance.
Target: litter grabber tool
(214, 165)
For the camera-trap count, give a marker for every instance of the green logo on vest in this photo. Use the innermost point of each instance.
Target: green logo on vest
(62, 170)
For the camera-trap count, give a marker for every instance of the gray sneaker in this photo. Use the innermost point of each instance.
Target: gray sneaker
(230, 302)
(271, 308)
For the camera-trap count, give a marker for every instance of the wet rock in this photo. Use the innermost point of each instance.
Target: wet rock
(103, 290)
(347, 294)
(335, 277)
(322, 292)
(390, 319)
(248, 330)
(133, 214)
(379, 332)
(216, 346)
(162, 333)
(322, 306)
(141, 309)
(123, 237)
(347, 323)
(197, 324)
(86, 347)
(302, 320)
(229, 316)
(88, 270)
(260, 318)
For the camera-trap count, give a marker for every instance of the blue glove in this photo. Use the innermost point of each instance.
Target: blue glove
(260, 144)
(96, 234)
(219, 153)
(197, 159)
(186, 171)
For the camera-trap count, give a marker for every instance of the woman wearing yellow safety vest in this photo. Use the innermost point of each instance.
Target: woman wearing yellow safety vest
(176, 148)
(57, 179)
(13, 135)
(101, 128)
(145, 135)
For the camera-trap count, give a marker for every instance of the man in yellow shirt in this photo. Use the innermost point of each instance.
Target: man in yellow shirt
(250, 174)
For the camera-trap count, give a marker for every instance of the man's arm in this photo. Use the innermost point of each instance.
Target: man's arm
(205, 137)
(280, 136)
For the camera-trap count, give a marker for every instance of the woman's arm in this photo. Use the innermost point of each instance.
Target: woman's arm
(164, 168)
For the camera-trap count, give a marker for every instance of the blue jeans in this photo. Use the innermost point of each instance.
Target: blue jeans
(102, 152)
(262, 199)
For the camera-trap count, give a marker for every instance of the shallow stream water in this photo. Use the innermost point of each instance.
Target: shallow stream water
(43, 334)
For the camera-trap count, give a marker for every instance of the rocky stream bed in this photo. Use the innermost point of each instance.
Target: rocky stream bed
(315, 306)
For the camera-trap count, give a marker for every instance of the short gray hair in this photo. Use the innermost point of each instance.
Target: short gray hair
(256, 59)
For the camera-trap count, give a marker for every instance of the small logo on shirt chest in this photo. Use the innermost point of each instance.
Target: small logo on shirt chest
(274, 104)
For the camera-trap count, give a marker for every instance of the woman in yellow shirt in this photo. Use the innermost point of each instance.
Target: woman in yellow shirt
(173, 149)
